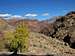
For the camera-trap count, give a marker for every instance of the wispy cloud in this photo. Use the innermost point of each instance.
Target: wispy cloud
(31, 15)
(45, 14)
(5, 15)
(16, 16)
(9, 16)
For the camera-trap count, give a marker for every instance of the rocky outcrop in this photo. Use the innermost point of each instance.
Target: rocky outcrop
(64, 29)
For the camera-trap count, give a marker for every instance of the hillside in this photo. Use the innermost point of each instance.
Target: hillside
(40, 44)
(43, 45)
(64, 29)
(32, 24)
(3, 24)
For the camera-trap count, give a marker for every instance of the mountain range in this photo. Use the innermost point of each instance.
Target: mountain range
(54, 36)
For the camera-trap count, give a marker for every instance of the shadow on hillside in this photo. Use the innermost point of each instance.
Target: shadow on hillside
(24, 55)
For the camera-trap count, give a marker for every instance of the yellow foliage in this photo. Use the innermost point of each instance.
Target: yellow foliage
(20, 40)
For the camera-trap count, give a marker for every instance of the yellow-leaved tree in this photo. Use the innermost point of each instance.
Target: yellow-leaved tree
(20, 41)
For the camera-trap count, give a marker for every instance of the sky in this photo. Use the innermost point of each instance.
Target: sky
(39, 9)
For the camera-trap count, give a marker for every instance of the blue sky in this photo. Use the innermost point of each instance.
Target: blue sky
(40, 9)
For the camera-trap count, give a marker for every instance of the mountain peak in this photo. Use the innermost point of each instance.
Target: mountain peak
(70, 13)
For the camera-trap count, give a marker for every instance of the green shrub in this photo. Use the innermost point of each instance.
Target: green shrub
(20, 40)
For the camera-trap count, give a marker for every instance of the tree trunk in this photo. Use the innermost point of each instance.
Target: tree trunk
(15, 53)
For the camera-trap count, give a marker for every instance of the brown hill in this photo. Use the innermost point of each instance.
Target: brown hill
(44, 45)
(3, 24)
(35, 25)
(39, 44)
(64, 29)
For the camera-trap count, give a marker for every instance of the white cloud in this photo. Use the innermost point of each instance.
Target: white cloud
(16, 16)
(5, 15)
(45, 14)
(32, 15)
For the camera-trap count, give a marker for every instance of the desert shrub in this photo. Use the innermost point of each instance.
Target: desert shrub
(18, 41)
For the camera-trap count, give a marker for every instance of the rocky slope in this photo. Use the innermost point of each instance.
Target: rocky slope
(43, 45)
(39, 44)
(3, 24)
(33, 25)
(64, 29)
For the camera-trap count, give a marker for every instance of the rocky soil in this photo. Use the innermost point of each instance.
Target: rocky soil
(64, 29)
(43, 45)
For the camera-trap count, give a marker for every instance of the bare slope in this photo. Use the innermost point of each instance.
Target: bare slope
(43, 45)
(40, 44)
